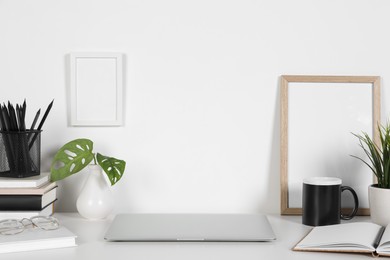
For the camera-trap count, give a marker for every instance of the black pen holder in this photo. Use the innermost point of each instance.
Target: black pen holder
(20, 153)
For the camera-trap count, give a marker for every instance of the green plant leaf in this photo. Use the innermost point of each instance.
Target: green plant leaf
(71, 158)
(378, 155)
(114, 168)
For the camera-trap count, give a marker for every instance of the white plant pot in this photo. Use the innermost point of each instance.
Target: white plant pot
(95, 200)
(379, 199)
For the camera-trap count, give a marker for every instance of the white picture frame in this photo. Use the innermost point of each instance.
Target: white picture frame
(96, 89)
(318, 116)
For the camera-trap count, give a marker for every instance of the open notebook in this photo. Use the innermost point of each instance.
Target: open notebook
(359, 237)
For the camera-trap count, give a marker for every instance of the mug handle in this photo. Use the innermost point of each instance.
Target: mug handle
(356, 200)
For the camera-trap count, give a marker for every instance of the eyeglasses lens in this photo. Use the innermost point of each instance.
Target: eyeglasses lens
(11, 227)
(46, 223)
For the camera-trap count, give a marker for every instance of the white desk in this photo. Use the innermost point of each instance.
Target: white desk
(91, 245)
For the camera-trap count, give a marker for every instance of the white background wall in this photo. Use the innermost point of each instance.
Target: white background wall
(201, 129)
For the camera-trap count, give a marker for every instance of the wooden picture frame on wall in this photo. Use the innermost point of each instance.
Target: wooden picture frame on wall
(318, 116)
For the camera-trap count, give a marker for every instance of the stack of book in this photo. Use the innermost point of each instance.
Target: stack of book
(27, 197)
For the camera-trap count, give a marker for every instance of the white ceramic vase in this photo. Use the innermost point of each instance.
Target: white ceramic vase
(379, 199)
(95, 200)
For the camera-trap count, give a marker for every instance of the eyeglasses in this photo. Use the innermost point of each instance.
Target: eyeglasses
(15, 226)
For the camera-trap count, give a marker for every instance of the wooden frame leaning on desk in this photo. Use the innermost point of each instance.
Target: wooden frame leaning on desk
(318, 112)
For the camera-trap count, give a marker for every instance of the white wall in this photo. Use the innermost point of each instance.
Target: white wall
(201, 129)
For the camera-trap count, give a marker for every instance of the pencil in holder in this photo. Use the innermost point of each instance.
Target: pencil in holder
(20, 153)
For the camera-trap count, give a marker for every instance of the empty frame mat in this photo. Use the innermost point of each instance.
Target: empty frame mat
(319, 115)
(96, 89)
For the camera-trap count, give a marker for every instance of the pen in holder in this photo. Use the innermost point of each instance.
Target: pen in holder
(20, 153)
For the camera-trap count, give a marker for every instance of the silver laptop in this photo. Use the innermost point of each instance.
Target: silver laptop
(190, 227)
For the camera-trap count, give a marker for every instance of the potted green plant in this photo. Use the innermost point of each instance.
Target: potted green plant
(379, 163)
(95, 200)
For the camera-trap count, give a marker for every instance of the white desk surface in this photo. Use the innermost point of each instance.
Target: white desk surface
(91, 245)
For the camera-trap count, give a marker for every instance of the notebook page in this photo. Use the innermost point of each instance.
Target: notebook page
(342, 235)
(384, 245)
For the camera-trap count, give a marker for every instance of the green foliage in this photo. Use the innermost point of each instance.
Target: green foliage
(114, 168)
(71, 158)
(379, 156)
(77, 154)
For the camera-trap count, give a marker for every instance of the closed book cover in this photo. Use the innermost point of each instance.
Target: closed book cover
(27, 202)
(29, 182)
(37, 239)
(28, 191)
(19, 214)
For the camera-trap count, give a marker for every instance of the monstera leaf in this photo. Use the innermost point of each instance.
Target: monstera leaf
(71, 158)
(114, 168)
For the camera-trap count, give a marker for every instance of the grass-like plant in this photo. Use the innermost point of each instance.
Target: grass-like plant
(378, 155)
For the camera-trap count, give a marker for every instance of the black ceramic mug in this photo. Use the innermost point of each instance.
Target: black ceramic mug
(321, 201)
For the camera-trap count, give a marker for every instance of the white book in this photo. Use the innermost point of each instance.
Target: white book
(47, 211)
(29, 191)
(359, 237)
(29, 182)
(37, 239)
